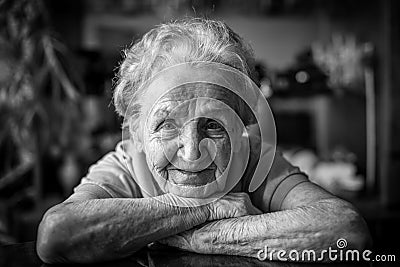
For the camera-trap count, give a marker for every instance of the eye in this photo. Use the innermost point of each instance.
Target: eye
(167, 126)
(213, 127)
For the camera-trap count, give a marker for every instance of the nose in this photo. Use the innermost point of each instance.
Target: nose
(189, 140)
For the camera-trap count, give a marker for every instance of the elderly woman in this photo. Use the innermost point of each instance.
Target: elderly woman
(184, 173)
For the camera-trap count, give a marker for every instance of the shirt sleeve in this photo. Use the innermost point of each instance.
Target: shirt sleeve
(110, 178)
(281, 178)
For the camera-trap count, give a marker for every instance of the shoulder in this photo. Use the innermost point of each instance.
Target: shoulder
(112, 174)
(277, 182)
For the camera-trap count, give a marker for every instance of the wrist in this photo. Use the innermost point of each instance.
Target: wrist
(197, 215)
(192, 210)
(205, 212)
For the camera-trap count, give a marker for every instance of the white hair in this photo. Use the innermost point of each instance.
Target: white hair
(187, 40)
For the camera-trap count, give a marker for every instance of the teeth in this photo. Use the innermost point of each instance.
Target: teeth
(190, 178)
(189, 185)
(190, 171)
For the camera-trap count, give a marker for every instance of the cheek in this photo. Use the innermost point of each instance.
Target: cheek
(158, 152)
(223, 153)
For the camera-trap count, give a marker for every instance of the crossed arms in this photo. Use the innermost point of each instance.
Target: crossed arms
(85, 229)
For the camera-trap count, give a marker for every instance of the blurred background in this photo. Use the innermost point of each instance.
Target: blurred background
(328, 68)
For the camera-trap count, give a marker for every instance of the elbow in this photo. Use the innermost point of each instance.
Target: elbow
(362, 239)
(51, 237)
(357, 232)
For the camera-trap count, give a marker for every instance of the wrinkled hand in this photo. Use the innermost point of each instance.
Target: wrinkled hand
(200, 239)
(206, 239)
(183, 241)
(232, 205)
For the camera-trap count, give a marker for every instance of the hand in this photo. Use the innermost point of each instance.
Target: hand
(201, 239)
(230, 206)
(183, 241)
(208, 238)
(196, 240)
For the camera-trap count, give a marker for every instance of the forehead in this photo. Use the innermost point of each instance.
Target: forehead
(187, 82)
(195, 99)
(197, 90)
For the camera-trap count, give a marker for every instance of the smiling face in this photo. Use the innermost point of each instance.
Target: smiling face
(187, 138)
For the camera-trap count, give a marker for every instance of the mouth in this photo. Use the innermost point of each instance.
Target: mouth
(190, 172)
(191, 178)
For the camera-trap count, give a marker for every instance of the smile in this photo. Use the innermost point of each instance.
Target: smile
(191, 173)
(191, 178)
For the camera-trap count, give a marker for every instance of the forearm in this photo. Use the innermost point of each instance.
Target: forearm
(101, 229)
(316, 227)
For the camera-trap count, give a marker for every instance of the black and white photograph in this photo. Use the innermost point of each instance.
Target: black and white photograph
(199, 133)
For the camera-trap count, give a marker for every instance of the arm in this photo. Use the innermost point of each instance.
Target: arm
(310, 219)
(84, 229)
(102, 229)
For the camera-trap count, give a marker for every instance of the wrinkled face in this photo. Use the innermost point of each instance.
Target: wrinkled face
(187, 138)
